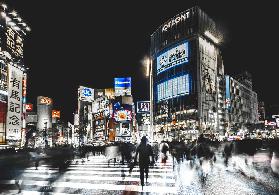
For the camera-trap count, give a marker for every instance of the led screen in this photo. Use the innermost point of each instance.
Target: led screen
(173, 57)
(173, 88)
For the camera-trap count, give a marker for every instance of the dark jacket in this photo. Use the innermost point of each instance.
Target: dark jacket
(145, 152)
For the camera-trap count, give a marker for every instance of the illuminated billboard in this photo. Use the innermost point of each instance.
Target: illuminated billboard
(14, 112)
(14, 43)
(143, 107)
(123, 115)
(55, 114)
(109, 92)
(85, 94)
(29, 107)
(172, 57)
(172, 88)
(44, 100)
(228, 93)
(122, 86)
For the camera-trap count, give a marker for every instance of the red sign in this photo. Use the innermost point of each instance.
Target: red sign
(29, 107)
(45, 100)
(55, 114)
(269, 123)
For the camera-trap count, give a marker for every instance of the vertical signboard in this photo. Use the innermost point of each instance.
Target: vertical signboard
(122, 86)
(24, 91)
(14, 112)
(228, 93)
(44, 108)
(14, 43)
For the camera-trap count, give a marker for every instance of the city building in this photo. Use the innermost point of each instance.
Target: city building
(241, 103)
(106, 115)
(124, 110)
(102, 111)
(188, 76)
(13, 77)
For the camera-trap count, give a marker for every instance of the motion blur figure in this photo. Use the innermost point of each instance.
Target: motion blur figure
(227, 152)
(111, 153)
(144, 151)
(164, 148)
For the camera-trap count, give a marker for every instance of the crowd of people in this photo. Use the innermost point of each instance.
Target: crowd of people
(198, 152)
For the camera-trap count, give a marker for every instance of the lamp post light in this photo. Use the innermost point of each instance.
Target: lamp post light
(148, 73)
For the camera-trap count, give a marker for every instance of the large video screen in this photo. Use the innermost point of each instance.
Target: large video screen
(173, 88)
(175, 56)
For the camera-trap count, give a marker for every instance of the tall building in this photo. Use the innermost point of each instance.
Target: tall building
(241, 103)
(188, 76)
(13, 77)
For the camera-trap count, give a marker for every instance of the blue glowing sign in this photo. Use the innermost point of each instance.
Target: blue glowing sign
(172, 57)
(228, 93)
(86, 92)
(122, 86)
(172, 88)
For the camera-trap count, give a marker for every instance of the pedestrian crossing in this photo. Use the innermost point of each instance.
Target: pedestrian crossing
(92, 176)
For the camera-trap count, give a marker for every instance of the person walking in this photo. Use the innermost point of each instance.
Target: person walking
(144, 151)
(164, 147)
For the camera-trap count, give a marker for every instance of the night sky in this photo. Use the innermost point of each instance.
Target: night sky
(89, 43)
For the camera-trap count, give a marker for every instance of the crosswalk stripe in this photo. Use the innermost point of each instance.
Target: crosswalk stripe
(94, 174)
(101, 169)
(90, 186)
(28, 192)
(98, 178)
(110, 164)
(112, 171)
(167, 173)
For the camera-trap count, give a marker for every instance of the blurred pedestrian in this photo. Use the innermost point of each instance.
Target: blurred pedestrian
(112, 153)
(144, 151)
(164, 147)
(36, 163)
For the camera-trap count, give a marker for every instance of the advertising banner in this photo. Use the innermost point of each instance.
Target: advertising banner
(14, 43)
(85, 94)
(14, 112)
(41, 100)
(228, 93)
(173, 88)
(109, 92)
(55, 114)
(122, 86)
(29, 107)
(173, 57)
(123, 115)
(143, 107)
